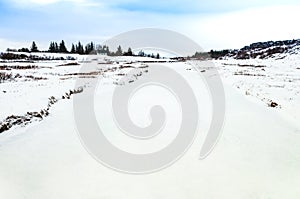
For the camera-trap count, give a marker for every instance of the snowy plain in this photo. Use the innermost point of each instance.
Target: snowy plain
(257, 156)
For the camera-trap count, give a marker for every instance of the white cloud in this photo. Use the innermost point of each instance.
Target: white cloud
(211, 31)
(236, 29)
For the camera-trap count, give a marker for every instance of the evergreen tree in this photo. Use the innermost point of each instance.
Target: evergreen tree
(141, 54)
(129, 52)
(119, 51)
(87, 49)
(106, 49)
(52, 47)
(73, 50)
(79, 48)
(34, 47)
(102, 49)
(157, 56)
(99, 49)
(62, 47)
(90, 48)
(56, 47)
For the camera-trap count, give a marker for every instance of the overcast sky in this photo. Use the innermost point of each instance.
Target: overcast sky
(213, 24)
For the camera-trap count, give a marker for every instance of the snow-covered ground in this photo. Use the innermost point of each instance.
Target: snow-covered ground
(276, 79)
(257, 156)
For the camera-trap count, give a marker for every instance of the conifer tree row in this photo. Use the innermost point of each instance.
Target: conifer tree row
(89, 48)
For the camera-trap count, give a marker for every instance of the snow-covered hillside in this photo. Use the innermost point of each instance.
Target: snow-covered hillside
(276, 79)
(257, 155)
(265, 50)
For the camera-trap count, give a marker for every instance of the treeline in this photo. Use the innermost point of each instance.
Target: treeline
(55, 47)
(79, 48)
(214, 54)
(152, 55)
